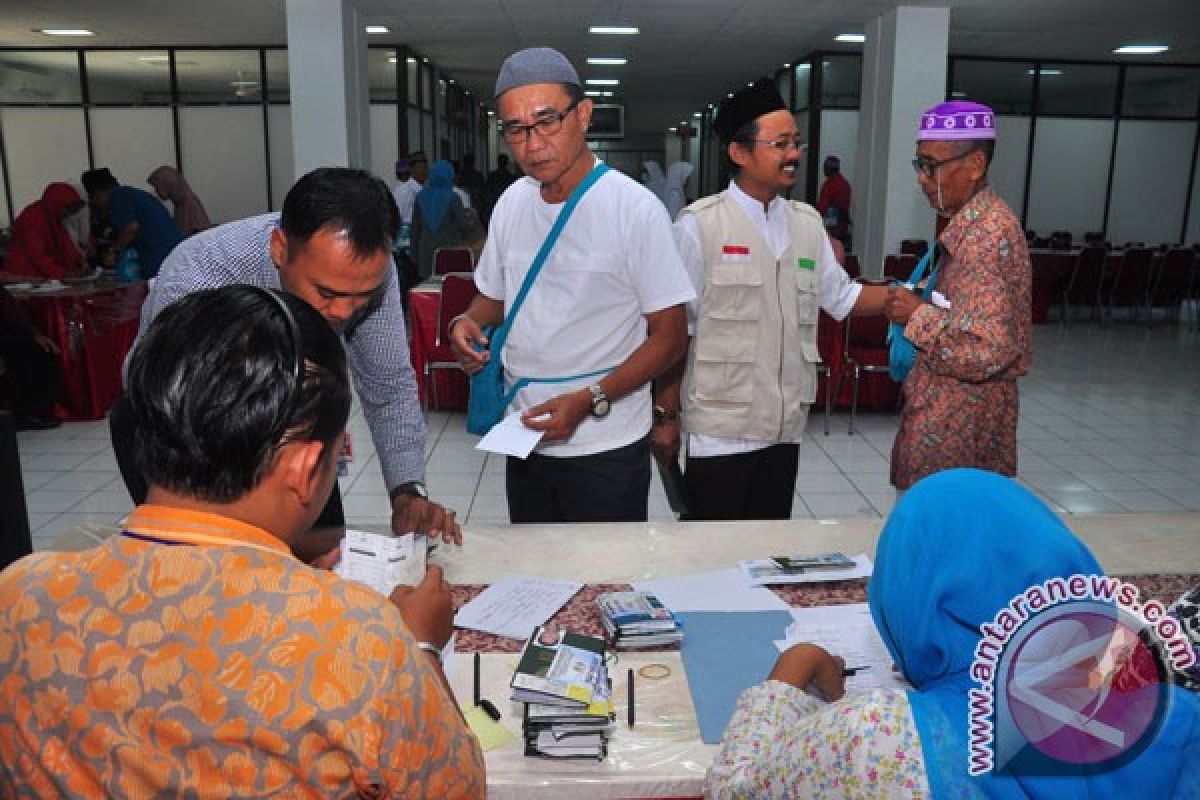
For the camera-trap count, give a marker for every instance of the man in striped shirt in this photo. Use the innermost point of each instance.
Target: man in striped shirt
(330, 246)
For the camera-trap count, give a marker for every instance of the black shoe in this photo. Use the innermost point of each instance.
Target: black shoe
(37, 423)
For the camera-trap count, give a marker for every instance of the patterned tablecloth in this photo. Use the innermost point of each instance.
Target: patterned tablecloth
(580, 614)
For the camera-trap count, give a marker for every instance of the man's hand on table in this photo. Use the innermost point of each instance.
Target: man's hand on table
(427, 609)
(413, 514)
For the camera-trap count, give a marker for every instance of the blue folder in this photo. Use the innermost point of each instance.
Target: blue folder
(725, 653)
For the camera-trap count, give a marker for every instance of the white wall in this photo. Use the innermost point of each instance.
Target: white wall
(279, 130)
(1070, 175)
(225, 160)
(1193, 229)
(1149, 188)
(839, 137)
(1006, 175)
(797, 192)
(133, 142)
(384, 141)
(43, 145)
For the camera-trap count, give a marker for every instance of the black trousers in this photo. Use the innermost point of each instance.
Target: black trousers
(756, 485)
(36, 375)
(613, 486)
(120, 427)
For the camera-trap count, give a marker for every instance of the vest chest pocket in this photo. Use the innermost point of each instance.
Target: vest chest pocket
(734, 291)
(807, 307)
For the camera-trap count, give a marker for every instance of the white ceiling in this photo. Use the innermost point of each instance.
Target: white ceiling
(689, 51)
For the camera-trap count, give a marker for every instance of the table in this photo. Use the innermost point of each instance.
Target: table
(94, 326)
(662, 756)
(451, 384)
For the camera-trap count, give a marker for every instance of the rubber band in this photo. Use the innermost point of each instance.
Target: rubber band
(654, 672)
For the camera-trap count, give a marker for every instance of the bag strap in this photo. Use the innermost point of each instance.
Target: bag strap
(559, 223)
(919, 272)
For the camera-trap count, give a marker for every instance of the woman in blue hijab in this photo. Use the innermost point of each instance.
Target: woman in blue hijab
(959, 546)
(439, 219)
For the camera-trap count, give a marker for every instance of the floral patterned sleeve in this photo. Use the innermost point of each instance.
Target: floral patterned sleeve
(784, 743)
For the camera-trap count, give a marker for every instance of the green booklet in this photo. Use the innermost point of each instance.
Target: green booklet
(567, 672)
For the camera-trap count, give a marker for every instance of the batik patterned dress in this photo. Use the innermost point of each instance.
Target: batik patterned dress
(960, 399)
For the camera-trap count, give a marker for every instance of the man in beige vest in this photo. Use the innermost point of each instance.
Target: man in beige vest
(762, 266)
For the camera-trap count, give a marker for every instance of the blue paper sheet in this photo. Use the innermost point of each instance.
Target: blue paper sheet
(725, 653)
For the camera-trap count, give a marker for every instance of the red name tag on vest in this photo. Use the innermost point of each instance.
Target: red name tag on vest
(735, 252)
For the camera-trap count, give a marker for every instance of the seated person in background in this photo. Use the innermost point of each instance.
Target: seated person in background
(193, 654)
(439, 219)
(41, 245)
(959, 546)
(138, 219)
(30, 374)
(169, 184)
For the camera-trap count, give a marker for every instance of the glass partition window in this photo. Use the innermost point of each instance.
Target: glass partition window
(803, 75)
(218, 76)
(128, 77)
(1164, 92)
(784, 81)
(39, 76)
(381, 75)
(1076, 90)
(277, 77)
(841, 81)
(1004, 85)
(410, 73)
(426, 87)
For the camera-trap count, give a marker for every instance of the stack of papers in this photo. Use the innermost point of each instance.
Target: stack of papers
(382, 561)
(780, 570)
(567, 694)
(847, 631)
(634, 620)
(514, 606)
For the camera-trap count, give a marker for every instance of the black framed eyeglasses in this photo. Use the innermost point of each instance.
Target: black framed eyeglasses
(548, 124)
(782, 144)
(929, 167)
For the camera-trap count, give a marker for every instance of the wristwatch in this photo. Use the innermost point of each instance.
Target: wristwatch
(413, 489)
(600, 403)
(662, 415)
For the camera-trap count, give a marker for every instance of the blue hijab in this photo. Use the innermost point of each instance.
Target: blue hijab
(957, 548)
(435, 196)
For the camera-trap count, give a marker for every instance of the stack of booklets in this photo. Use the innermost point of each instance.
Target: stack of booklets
(567, 694)
(635, 620)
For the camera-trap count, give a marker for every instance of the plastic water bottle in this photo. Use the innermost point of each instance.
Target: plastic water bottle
(129, 266)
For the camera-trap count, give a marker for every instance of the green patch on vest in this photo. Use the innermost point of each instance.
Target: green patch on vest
(806, 263)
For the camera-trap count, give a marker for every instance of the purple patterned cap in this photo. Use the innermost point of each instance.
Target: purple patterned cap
(957, 121)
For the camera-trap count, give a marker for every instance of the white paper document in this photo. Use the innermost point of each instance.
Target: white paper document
(723, 590)
(514, 606)
(765, 572)
(847, 631)
(382, 561)
(510, 437)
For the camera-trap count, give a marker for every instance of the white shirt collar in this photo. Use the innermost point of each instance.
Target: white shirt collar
(753, 206)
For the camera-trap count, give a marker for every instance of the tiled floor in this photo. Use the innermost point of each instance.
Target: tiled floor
(1110, 422)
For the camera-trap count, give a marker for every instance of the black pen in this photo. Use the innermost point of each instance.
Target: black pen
(477, 692)
(851, 671)
(629, 711)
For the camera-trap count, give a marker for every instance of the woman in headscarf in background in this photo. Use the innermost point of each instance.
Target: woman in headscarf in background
(959, 547)
(40, 244)
(169, 184)
(675, 196)
(654, 180)
(439, 219)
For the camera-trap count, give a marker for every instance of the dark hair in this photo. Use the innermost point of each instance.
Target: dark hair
(574, 92)
(468, 159)
(212, 394)
(985, 146)
(352, 200)
(743, 135)
(501, 160)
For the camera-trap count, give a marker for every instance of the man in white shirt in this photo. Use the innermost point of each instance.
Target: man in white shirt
(603, 318)
(761, 266)
(416, 170)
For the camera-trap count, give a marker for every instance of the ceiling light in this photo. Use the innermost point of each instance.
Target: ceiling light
(602, 82)
(697, 114)
(605, 61)
(729, 95)
(1141, 49)
(851, 38)
(392, 60)
(410, 61)
(424, 60)
(597, 93)
(153, 59)
(377, 29)
(1044, 72)
(958, 94)
(787, 66)
(672, 130)
(66, 32)
(613, 30)
(491, 113)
